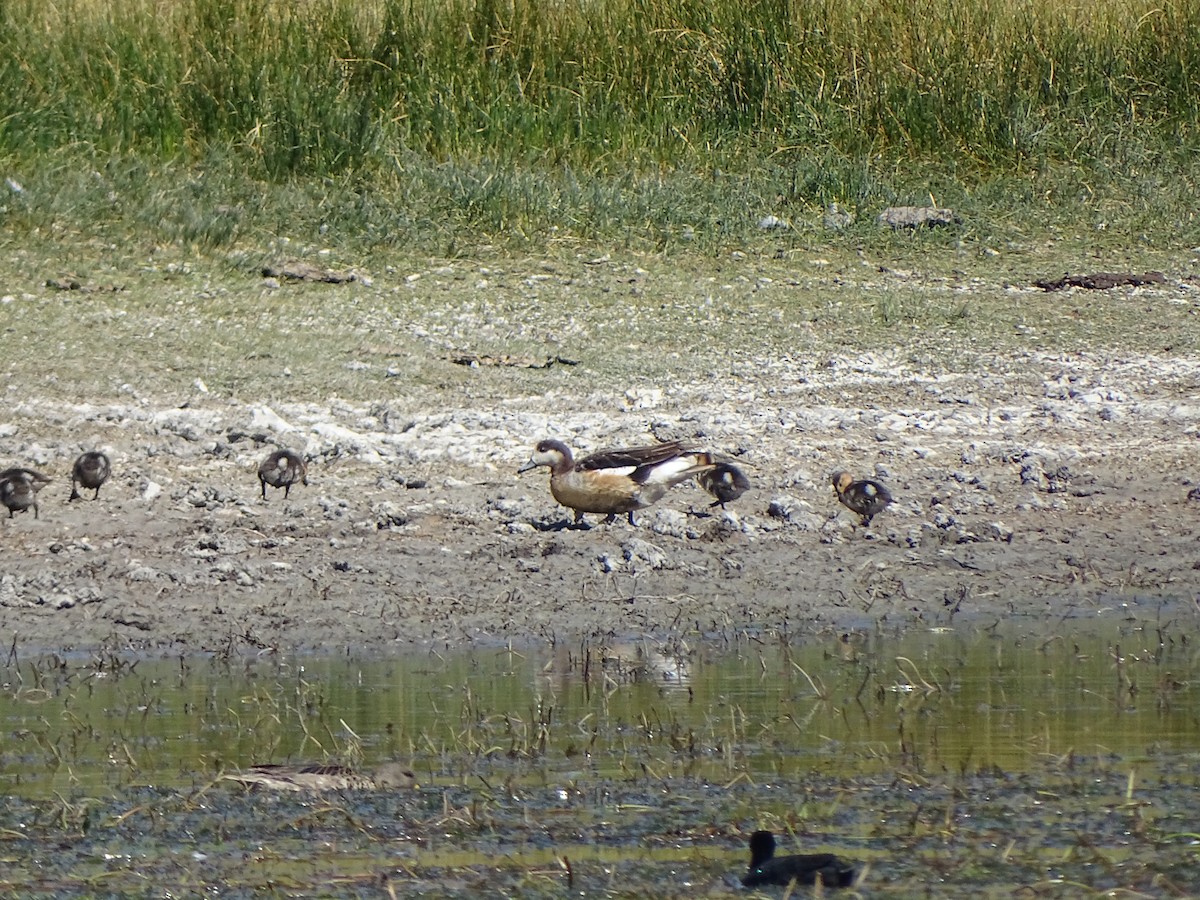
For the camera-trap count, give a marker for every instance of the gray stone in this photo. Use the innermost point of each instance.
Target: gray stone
(918, 217)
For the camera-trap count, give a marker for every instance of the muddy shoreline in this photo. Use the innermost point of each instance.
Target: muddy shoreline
(1055, 486)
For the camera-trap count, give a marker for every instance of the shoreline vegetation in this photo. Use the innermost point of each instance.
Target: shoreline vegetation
(450, 126)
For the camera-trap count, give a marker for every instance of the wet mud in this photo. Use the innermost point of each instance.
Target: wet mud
(1051, 487)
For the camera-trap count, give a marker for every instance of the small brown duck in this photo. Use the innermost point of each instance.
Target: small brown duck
(725, 481)
(282, 469)
(767, 868)
(91, 470)
(19, 488)
(618, 480)
(867, 498)
(324, 778)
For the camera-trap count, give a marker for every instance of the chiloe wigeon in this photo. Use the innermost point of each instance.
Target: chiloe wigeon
(619, 480)
(725, 481)
(867, 498)
(91, 470)
(282, 469)
(19, 487)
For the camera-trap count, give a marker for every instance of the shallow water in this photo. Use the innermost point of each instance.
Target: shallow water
(842, 705)
(644, 763)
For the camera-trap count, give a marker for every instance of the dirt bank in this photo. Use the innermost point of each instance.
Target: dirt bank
(1051, 484)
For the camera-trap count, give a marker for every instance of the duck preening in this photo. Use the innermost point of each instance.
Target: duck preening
(324, 778)
(91, 470)
(805, 868)
(282, 469)
(619, 480)
(867, 498)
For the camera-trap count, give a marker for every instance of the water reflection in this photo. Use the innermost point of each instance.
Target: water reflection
(962, 701)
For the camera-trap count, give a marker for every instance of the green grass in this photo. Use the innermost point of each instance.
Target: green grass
(332, 84)
(173, 148)
(453, 126)
(482, 208)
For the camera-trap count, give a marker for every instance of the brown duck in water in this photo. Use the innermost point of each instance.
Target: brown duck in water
(91, 470)
(19, 488)
(725, 481)
(867, 498)
(616, 481)
(324, 778)
(808, 868)
(282, 469)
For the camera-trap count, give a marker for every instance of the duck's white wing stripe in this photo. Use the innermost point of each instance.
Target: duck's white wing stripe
(617, 470)
(668, 471)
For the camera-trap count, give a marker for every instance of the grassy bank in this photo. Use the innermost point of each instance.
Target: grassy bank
(460, 122)
(330, 84)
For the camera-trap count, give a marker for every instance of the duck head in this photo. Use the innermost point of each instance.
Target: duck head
(553, 454)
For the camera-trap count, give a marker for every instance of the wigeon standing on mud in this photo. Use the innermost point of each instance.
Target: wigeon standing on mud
(619, 480)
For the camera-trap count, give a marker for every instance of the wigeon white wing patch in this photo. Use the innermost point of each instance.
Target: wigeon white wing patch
(617, 470)
(669, 471)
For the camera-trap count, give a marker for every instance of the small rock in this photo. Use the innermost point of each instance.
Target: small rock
(643, 398)
(898, 217)
(639, 553)
(670, 522)
(794, 511)
(508, 509)
(389, 515)
(944, 520)
(837, 219)
(1058, 481)
(141, 573)
(9, 595)
(773, 223)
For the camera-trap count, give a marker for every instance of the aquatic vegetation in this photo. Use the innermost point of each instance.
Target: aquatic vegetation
(984, 760)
